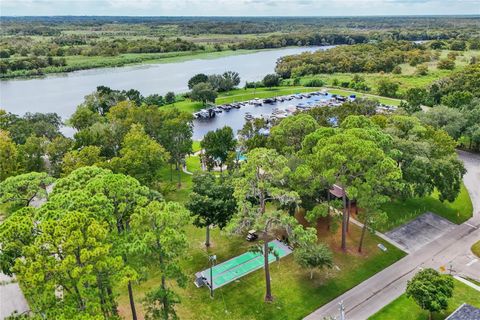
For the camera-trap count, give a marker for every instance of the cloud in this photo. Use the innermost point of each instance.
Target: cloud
(238, 7)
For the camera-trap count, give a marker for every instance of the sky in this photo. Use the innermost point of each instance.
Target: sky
(237, 7)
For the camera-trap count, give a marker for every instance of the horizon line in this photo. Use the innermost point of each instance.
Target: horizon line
(245, 16)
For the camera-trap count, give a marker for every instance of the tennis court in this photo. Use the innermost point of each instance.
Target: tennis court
(241, 265)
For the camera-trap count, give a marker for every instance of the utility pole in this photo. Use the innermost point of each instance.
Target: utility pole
(212, 259)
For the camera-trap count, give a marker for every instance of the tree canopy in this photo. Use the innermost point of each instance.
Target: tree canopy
(211, 202)
(430, 290)
(217, 145)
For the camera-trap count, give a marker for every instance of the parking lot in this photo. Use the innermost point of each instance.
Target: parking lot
(420, 231)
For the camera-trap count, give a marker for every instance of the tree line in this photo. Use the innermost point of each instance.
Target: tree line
(96, 233)
(205, 88)
(436, 26)
(384, 56)
(110, 124)
(455, 102)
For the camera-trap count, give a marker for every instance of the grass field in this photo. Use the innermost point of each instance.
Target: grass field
(384, 100)
(86, 62)
(476, 249)
(405, 308)
(295, 294)
(407, 79)
(400, 212)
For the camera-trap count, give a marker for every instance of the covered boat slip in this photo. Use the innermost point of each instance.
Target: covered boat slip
(241, 265)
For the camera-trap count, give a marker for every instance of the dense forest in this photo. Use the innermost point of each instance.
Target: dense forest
(50, 26)
(36, 45)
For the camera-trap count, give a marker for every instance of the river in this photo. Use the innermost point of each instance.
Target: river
(62, 93)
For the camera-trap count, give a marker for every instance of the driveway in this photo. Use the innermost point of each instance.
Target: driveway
(420, 231)
(472, 181)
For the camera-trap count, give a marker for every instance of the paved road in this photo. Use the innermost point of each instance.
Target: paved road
(452, 250)
(11, 297)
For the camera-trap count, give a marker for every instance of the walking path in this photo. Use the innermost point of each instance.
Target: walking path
(451, 251)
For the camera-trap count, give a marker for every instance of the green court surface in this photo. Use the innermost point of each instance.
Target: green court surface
(241, 265)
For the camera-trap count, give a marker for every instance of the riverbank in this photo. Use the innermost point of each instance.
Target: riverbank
(67, 90)
(76, 63)
(239, 95)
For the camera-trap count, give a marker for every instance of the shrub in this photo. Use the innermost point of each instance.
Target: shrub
(387, 88)
(446, 64)
(422, 70)
(397, 70)
(314, 83)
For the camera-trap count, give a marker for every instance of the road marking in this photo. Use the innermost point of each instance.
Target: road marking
(471, 225)
(472, 262)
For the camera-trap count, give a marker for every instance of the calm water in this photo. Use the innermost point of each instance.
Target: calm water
(62, 93)
(235, 118)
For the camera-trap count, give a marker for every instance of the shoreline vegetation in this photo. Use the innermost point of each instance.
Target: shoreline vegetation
(78, 63)
(240, 95)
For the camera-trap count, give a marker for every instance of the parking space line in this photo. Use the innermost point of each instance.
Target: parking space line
(472, 262)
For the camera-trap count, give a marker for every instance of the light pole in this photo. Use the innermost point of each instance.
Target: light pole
(212, 260)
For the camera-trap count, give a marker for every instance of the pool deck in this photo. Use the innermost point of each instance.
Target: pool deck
(239, 266)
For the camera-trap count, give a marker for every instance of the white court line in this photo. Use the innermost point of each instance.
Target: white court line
(472, 262)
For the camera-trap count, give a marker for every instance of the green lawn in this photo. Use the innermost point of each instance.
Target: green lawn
(193, 163)
(384, 100)
(295, 294)
(248, 94)
(404, 308)
(407, 79)
(135, 58)
(170, 189)
(400, 212)
(238, 95)
(196, 146)
(476, 249)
